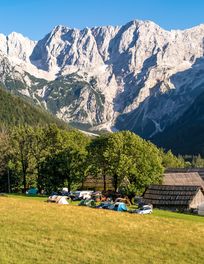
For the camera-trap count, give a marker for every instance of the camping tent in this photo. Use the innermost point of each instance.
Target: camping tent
(120, 207)
(63, 200)
(58, 199)
(32, 191)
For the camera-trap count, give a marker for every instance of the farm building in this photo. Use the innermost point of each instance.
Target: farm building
(183, 178)
(174, 197)
(97, 183)
(200, 171)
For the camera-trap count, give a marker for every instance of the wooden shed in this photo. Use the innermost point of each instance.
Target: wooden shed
(177, 197)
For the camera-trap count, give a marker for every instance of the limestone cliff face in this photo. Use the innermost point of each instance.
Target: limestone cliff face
(137, 76)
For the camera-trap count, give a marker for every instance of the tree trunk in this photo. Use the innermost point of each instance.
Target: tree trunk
(69, 185)
(24, 180)
(69, 182)
(24, 164)
(115, 182)
(82, 183)
(39, 180)
(104, 182)
(9, 183)
(24, 177)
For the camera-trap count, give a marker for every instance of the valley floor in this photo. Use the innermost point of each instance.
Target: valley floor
(33, 231)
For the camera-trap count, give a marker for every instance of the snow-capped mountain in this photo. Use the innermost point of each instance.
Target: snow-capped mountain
(137, 76)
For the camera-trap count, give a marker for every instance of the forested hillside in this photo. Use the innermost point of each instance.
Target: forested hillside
(16, 111)
(185, 136)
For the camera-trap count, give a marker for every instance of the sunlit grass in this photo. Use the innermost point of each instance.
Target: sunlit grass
(32, 231)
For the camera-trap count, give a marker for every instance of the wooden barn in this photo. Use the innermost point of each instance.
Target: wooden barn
(200, 171)
(97, 183)
(174, 197)
(183, 178)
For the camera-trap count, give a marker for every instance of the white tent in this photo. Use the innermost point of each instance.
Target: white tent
(201, 209)
(63, 200)
(58, 199)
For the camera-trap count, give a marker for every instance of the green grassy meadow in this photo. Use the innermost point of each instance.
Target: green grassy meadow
(33, 231)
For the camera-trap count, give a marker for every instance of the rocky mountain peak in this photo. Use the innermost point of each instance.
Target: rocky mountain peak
(137, 76)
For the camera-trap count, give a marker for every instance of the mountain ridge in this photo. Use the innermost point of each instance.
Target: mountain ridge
(106, 26)
(137, 76)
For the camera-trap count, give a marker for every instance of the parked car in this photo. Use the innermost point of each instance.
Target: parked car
(64, 191)
(85, 194)
(80, 195)
(145, 209)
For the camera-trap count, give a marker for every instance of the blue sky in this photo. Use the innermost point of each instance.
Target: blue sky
(35, 18)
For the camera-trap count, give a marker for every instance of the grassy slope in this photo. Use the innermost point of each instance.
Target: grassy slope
(36, 232)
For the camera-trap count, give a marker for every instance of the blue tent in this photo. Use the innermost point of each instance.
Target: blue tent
(32, 191)
(120, 207)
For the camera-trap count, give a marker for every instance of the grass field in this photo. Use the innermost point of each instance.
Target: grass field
(32, 231)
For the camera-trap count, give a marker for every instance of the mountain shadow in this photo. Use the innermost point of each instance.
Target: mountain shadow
(186, 135)
(161, 110)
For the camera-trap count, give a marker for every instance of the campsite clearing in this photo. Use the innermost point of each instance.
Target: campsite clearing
(33, 231)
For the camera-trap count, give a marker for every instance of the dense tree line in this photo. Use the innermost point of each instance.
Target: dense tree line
(49, 157)
(14, 110)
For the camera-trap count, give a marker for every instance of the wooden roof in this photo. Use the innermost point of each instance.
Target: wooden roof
(183, 178)
(169, 195)
(200, 171)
